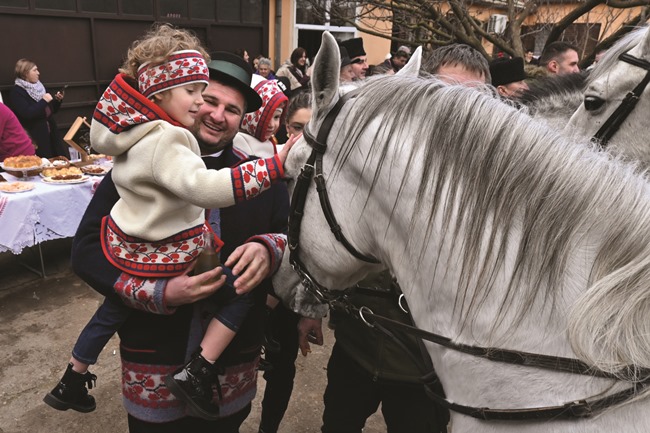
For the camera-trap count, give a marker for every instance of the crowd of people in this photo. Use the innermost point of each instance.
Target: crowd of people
(202, 157)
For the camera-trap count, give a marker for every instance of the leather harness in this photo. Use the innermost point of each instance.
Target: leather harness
(616, 119)
(584, 408)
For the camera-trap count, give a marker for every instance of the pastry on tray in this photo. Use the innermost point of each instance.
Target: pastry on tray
(62, 173)
(23, 161)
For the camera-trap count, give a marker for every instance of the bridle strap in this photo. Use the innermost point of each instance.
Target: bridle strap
(614, 122)
(547, 362)
(585, 408)
(313, 168)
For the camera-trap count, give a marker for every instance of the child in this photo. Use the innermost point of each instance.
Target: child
(259, 127)
(156, 229)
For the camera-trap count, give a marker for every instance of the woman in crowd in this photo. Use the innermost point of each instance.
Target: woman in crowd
(35, 108)
(296, 69)
(14, 141)
(264, 69)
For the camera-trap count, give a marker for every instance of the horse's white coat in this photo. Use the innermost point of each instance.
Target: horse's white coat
(610, 80)
(385, 210)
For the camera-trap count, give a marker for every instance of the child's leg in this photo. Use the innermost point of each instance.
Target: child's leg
(71, 391)
(106, 321)
(217, 337)
(193, 382)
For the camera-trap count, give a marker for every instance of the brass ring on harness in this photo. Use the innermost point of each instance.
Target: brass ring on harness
(401, 306)
(368, 310)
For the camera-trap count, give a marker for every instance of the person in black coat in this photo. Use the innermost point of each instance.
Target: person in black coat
(35, 108)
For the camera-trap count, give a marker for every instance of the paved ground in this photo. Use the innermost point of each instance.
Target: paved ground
(39, 322)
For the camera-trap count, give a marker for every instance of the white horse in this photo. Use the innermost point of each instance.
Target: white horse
(609, 82)
(501, 233)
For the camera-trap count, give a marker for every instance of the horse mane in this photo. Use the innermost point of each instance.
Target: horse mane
(559, 95)
(497, 177)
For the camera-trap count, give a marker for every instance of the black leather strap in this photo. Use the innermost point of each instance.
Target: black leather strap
(614, 122)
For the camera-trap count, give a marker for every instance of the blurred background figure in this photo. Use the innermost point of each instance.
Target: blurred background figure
(560, 58)
(35, 107)
(241, 52)
(264, 69)
(397, 60)
(508, 76)
(295, 69)
(14, 141)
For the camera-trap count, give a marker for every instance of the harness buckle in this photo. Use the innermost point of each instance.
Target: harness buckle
(368, 311)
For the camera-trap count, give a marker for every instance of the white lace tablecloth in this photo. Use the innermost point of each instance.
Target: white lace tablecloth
(49, 211)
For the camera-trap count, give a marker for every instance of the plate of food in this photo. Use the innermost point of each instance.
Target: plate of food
(14, 187)
(61, 171)
(23, 163)
(66, 179)
(95, 170)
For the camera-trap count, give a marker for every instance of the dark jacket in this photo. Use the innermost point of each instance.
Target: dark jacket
(374, 351)
(40, 126)
(153, 345)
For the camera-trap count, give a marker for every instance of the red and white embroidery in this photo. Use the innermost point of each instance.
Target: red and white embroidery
(165, 258)
(252, 177)
(181, 67)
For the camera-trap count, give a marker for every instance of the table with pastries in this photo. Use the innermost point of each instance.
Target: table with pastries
(35, 209)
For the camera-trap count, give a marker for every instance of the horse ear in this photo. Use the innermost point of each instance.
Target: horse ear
(325, 76)
(412, 68)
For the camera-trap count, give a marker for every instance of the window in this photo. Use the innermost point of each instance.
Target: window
(202, 9)
(109, 6)
(137, 7)
(63, 5)
(228, 10)
(172, 9)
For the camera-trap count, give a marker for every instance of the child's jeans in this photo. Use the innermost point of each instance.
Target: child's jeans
(108, 318)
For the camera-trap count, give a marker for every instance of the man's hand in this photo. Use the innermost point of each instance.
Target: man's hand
(251, 263)
(309, 331)
(185, 289)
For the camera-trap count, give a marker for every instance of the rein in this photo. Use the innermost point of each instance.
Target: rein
(312, 169)
(616, 119)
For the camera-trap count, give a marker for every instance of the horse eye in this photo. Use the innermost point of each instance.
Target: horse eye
(593, 103)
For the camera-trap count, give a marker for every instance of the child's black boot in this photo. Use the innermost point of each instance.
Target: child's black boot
(193, 383)
(71, 392)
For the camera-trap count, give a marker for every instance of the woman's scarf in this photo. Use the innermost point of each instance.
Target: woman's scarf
(35, 90)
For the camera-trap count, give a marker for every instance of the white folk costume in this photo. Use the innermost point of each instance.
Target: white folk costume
(156, 227)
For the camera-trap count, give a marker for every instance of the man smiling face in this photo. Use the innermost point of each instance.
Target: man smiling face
(219, 118)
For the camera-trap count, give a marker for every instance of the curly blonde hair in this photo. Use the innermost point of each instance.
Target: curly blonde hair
(157, 45)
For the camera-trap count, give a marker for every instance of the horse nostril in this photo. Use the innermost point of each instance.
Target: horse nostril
(593, 103)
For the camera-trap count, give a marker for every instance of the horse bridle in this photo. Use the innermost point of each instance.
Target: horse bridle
(584, 408)
(616, 119)
(313, 169)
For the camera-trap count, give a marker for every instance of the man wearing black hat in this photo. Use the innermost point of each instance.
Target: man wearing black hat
(508, 76)
(358, 57)
(347, 73)
(154, 345)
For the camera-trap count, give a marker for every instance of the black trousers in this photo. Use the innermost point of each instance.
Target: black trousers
(352, 396)
(189, 424)
(279, 380)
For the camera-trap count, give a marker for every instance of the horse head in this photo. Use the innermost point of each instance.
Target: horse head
(333, 270)
(494, 225)
(624, 67)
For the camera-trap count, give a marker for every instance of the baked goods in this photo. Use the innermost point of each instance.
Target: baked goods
(96, 170)
(16, 186)
(57, 173)
(59, 161)
(23, 161)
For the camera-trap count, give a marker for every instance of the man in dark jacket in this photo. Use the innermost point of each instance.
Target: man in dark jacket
(153, 345)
